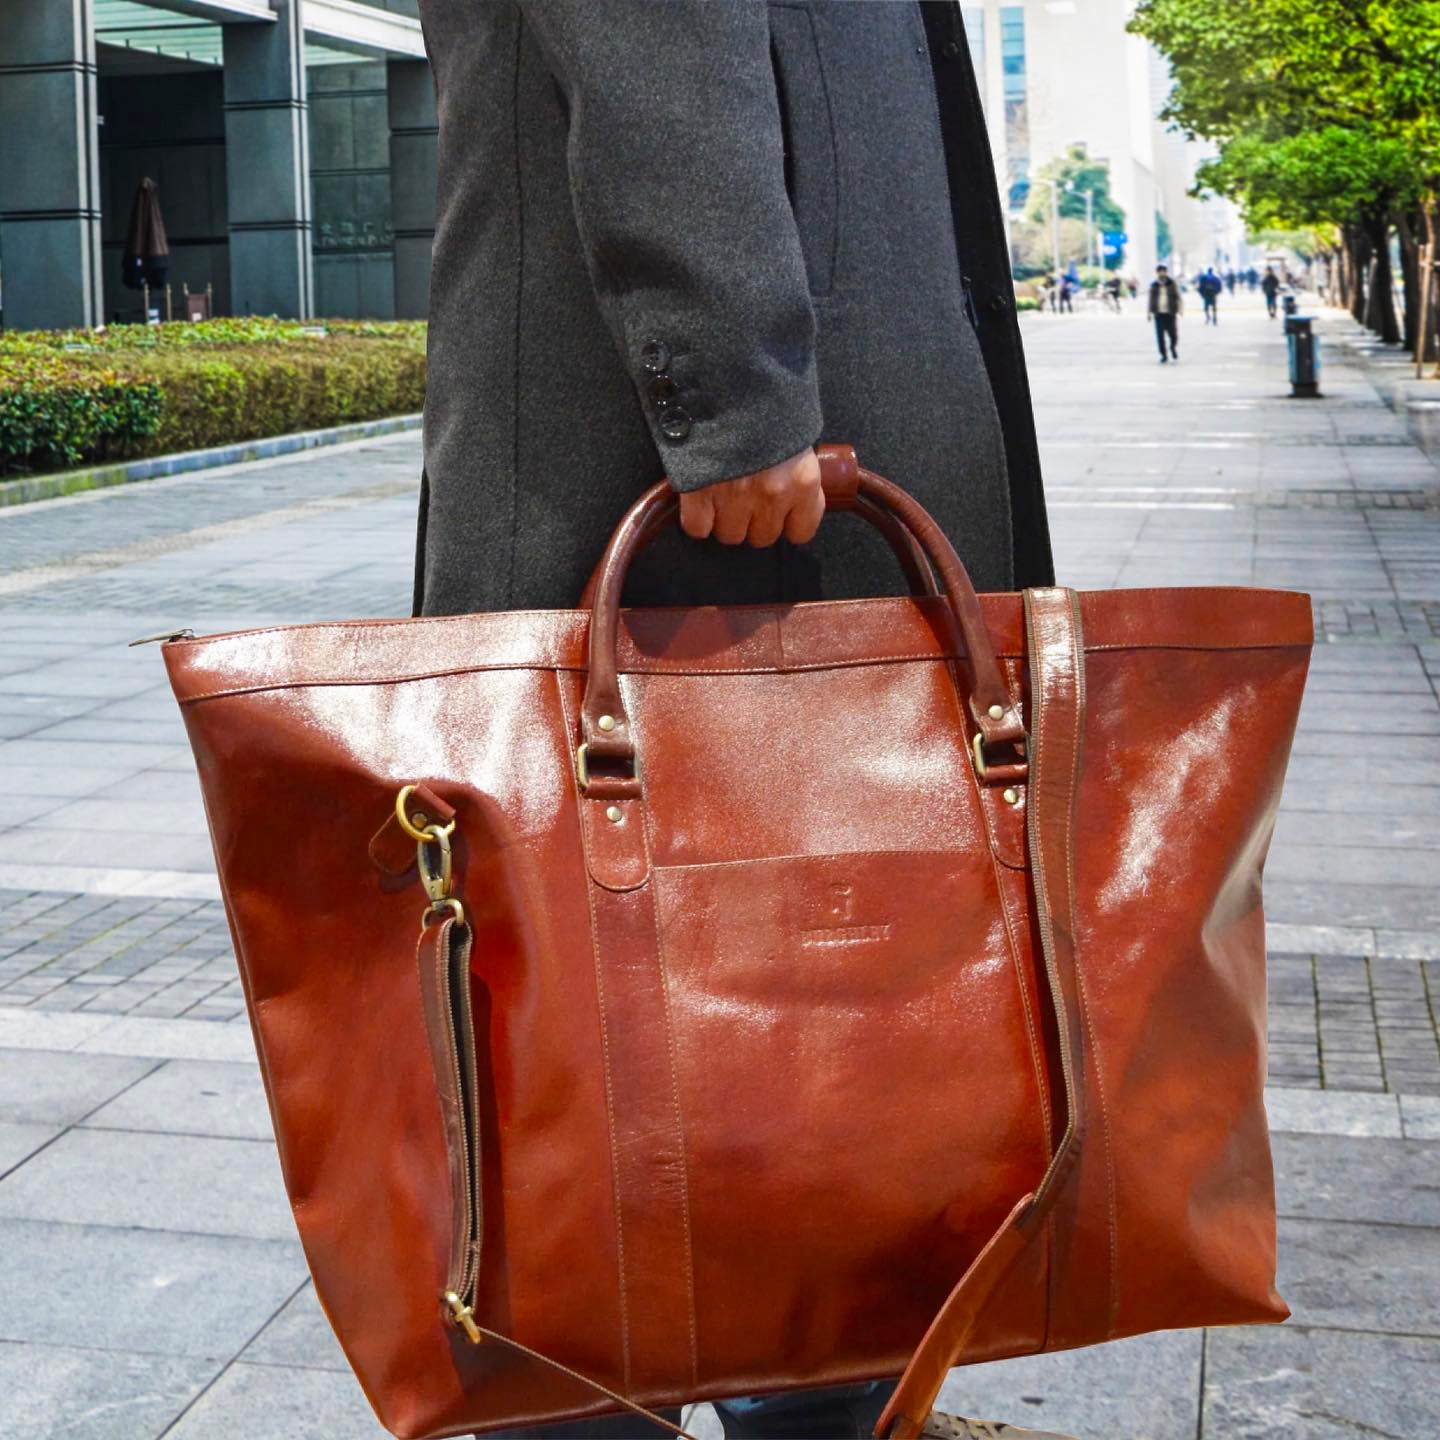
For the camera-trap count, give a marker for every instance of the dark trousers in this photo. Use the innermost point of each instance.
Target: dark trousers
(1165, 328)
(1212, 311)
(837, 1413)
(1270, 304)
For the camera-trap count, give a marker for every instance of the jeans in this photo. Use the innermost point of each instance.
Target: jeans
(1165, 329)
(838, 1413)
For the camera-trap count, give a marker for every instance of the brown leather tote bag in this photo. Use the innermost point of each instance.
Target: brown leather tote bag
(804, 994)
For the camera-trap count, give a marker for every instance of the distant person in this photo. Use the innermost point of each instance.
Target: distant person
(1112, 293)
(1229, 282)
(1134, 285)
(1270, 284)
(1210, 285)
(1164, 309)
(1067, 295)
(1252, 278)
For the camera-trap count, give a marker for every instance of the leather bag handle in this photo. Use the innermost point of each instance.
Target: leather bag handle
(604, 726)
(918, 574)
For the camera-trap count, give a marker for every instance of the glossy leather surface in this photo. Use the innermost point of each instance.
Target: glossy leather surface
(763, 1065)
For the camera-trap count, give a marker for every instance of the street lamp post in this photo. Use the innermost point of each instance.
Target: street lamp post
(1090, 258)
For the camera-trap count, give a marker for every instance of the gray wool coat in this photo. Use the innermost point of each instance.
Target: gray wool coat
(690, 238)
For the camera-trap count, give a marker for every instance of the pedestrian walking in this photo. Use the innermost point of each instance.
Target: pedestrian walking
(1210, 285)
(1270, 284)
(1164, 310)
(1112, 293)
(1229, 282)
(1067, 295)
(697, 304)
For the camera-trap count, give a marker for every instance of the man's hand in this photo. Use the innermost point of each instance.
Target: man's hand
(784, 500)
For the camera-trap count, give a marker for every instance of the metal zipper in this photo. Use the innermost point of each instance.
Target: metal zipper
(465, 1267)
(164, 635)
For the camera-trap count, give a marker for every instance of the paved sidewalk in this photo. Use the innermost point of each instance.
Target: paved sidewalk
(154, 1285)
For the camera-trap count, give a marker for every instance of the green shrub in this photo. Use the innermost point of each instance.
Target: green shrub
(73, 397)
(54, 413)
(1026, 302)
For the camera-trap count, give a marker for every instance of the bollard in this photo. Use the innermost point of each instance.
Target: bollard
(1304, 346)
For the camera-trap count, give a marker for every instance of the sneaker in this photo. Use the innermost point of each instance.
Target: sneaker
(941, 1426)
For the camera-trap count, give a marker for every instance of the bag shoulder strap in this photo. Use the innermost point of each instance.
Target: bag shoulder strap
(1055, 647)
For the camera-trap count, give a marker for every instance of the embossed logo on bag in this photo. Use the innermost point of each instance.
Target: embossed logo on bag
(841, 925)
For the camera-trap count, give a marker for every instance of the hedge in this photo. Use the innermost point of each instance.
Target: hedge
(83, 397)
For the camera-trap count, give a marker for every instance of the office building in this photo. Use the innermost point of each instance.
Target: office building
(293, 143)
(1057, 73)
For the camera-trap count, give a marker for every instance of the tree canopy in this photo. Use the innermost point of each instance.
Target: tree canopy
(1325, 113)
(1074, 173)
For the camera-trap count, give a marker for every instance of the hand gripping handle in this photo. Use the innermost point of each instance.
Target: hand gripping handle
(605, 727)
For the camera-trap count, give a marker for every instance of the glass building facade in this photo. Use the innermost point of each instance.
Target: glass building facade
(292, 143)
(1017, 126)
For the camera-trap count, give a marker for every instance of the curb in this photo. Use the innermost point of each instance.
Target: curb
(73, 482)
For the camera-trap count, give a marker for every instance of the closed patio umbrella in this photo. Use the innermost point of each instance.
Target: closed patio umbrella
(147, 251)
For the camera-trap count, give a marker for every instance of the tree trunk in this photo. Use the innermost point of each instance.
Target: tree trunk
(1428, 347)
(1338, 264)
(1408, 227)
(1380, 307)
(1357, 250)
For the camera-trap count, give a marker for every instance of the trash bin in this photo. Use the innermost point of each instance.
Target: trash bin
(1291, 304)
(1304, 346)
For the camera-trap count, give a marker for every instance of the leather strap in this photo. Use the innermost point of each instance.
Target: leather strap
(918, 574)
(1057, 710)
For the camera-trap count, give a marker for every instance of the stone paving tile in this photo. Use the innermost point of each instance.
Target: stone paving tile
(1308, 1384)
(202, 1296)
(1348, 1276)
(191, 1097)
(192, 1184)
(1145, 1388)
(1341, 1177)
(18, 1142)
(64, 1392)
(268, 1402)
(299, 1336)
(41, 1087)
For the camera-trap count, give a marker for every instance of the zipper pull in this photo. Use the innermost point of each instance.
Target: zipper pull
(165, 635)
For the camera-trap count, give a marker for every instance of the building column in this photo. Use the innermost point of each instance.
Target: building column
(267, 149)
(49, 165)
(414, 129)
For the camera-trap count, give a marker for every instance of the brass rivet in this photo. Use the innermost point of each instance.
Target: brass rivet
(1010, 797)
(615, 813)
(606, 722)
(997, 712)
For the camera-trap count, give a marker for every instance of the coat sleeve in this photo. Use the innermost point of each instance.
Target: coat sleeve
(677, 173)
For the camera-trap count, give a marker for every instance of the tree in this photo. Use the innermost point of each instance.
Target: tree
(1073, 174)
(1326, 112)
(1164, 241)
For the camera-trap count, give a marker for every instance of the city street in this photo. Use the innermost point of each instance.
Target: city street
(153, 1283)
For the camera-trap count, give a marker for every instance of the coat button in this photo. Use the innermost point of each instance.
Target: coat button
(674, 422)
(997, 302)
(655, 357)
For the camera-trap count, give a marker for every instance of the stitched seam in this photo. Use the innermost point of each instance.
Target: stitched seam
(1078, 662)
(809, 667)
(679, 1116)
(609, 1093)
(1251, 590)
(1039, 753)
